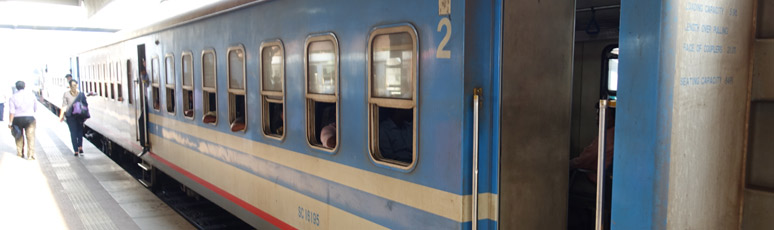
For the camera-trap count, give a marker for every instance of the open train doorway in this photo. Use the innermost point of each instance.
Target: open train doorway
(595, 80)
(555, 70)
(141, 109)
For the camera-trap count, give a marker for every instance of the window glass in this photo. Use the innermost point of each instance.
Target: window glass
(391, 65)
(272, 68)
(169, 69)
(612, 75)
(208, 67)
(236, 71)
(187, 70)
(321, 67)
(155, 70)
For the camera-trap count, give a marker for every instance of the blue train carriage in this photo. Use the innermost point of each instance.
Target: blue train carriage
(107, 76)
(237, 98)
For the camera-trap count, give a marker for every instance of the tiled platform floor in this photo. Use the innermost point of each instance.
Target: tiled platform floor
(61, 191)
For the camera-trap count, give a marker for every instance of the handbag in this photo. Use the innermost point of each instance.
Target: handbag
(16, 132)
(79, 109)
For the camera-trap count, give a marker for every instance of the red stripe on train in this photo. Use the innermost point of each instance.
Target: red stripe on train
(258, 212)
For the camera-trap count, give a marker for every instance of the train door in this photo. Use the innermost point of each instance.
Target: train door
(140, 105)
(535, 116)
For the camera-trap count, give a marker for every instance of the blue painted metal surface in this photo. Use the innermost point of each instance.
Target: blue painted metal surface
(440, 126)
(644, 114)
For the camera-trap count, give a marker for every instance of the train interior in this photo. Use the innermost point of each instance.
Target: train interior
(595, 77)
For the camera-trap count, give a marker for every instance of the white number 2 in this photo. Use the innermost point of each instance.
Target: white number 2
(441, 53)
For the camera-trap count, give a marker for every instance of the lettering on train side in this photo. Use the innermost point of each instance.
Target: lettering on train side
(441, 52)
(708, 9)
(707, 80)
(309, 216)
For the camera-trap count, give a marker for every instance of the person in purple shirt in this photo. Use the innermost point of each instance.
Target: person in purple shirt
(22, 107)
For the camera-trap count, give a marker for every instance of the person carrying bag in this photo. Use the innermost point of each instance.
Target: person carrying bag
(75, 109)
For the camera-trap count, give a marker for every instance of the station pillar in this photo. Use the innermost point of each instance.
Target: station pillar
(682, 108)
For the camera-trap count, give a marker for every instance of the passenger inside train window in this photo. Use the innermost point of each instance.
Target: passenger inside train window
(395, 134)
(236, 87)
(277, 118)
(238, 124)
(189, 103)
(392, 95)
(326, 124)
(209, 87)
(187, 70)
(272, 78)
(322, 89)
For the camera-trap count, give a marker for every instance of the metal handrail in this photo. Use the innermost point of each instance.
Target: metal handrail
(474, 193)
(601, 165)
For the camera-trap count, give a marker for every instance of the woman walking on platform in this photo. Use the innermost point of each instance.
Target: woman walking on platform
(74, 120)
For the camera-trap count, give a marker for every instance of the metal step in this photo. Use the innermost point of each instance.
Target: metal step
(144, 166)
(144, 183)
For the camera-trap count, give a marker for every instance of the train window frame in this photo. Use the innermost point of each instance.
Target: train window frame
(155, 84)
(129, 82)
(104, 82)
(375, 103)
(607, 55)
(95, 79)
(234, 92)
(214, 89)
(311, 99)
(119, 81)
(112, 80)
(187, 88)
(106, 69)
(265, 95)
(170, 96)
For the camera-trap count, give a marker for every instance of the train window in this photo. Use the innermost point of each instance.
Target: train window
(609, 82)
(209, 87)
(236, 88)
(321, 91)
(119, 89)
(187, 69)
(106, 79)
(169, 72)
(129, 83)
(155, 83)
(102, 88)
(272, 89)
(112, 80)
(392, 112)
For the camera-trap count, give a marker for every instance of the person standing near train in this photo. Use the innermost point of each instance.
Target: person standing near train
(74, 121)
(21, 113)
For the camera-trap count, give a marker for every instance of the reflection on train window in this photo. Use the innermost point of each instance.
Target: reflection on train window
(610, 73)
(187, 69)
(321, 93)
(272, 89)
(129, 82)
(112, 80)
(119, 78)
(101, 72)
(392, 96)
(209, 88)
(155, 83)
(106, 77)
(169, 72)
(236, 88)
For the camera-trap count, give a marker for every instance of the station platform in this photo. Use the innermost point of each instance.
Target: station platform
(61, 191)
